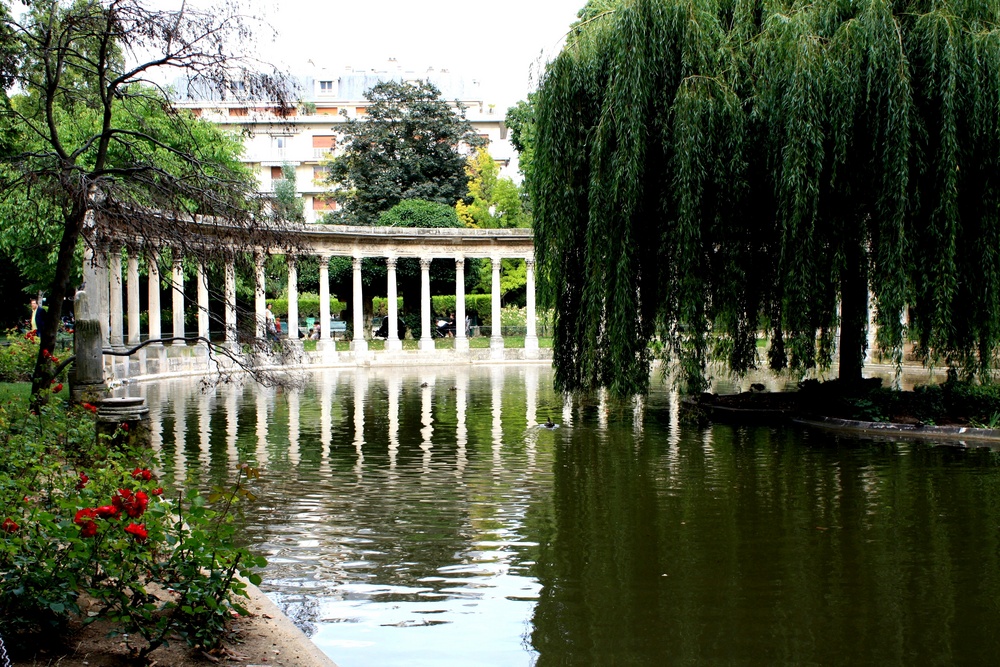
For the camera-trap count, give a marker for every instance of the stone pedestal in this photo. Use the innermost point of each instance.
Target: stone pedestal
(124, 419)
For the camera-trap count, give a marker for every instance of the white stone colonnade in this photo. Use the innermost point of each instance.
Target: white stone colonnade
(103, 274)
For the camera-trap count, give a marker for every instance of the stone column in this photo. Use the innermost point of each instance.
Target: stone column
(426, 333)
(230, 296)
(293, 299)
(202, 301)
(461, 340)
(392, 307)
(530, 336)
(91, 281)
(324, 304)
(178, 298)
(260, 301)
(359, 344)
(117, 307)
(102, 298)
(496, 338)
(132, 283)
(153, 287)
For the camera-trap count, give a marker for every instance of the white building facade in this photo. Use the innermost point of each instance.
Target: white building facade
(309, 134)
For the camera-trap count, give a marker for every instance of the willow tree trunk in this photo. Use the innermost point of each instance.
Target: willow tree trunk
(853, 314)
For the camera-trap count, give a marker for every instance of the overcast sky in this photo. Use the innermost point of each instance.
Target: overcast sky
(497, 43)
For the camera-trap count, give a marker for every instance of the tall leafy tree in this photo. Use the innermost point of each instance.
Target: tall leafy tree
(97, 152)
(705, 170)
(495, 200)
(409, 145)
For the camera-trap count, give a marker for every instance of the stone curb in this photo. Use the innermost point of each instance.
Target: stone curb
(290, 647)
(961, 433)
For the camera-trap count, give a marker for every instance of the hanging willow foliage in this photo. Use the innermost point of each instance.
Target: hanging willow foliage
(707, 170)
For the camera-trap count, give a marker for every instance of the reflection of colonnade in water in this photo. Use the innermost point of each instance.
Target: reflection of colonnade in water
(224, 426)
(114, 301)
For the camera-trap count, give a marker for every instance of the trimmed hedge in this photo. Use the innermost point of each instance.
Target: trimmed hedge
(308, 305)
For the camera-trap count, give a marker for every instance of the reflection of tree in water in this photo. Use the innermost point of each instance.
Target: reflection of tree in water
(770, 546)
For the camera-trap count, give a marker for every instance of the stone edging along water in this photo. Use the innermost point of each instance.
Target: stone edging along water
(167, 362)
(984, 437)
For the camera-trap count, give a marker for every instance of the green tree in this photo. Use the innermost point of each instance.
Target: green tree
(705, 170)
(495, 201)
(407, 146)
(520, 120)
(93, 142)
(287, 204)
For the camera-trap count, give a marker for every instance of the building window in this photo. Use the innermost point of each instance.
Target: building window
(361, 111)
(326, 87)
(238, 111)
(324, 204)
(279, 143)
(326, 111)
(277, 174)
(321, 173)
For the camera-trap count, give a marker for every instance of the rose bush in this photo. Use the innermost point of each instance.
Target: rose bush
(85, 515)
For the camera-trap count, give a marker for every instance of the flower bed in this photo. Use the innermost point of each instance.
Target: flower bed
(83, 516)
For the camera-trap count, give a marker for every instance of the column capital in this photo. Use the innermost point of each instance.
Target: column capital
(356, 262)
(324, 261)
(290, 261)
(459, 261)
(496, 259)
(390, 262)
(425, 263)
(530, 261)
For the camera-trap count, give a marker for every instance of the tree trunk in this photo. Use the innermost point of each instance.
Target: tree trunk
(853, 314)
(42, 376)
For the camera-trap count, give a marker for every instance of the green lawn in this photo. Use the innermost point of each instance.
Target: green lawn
(10, 391)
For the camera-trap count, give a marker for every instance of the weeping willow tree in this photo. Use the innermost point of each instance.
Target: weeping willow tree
(710, 170)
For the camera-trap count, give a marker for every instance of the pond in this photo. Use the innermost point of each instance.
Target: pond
(427, 517)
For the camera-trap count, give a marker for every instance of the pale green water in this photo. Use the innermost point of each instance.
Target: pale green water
(439, 525)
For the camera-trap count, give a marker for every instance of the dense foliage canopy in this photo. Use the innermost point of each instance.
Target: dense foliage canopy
(408, 145)
(89, 136)
(705, 170)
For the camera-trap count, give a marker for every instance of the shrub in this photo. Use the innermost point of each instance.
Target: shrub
(17, 358)
(84, 514)
(308, 305)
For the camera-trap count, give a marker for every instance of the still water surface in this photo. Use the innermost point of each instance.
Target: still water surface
(424, 517)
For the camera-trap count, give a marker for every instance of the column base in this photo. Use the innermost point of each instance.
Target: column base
(359, 345)
(462, 344)
(531, 347)
(427, 344)
(496, 347)
(393, 345)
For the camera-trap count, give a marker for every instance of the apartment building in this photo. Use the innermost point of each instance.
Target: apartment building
(307, 136)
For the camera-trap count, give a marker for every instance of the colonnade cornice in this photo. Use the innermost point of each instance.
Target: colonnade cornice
(360, 241)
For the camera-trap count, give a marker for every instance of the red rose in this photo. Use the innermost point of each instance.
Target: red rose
(88, 529)
(139, 530)
(158, 491)
(84, 515)
(58, 388)
(89, 406)
(45, 353)
(107, 512)
(83, 481)
(9, 526)
(133, 504)
(142, 473)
